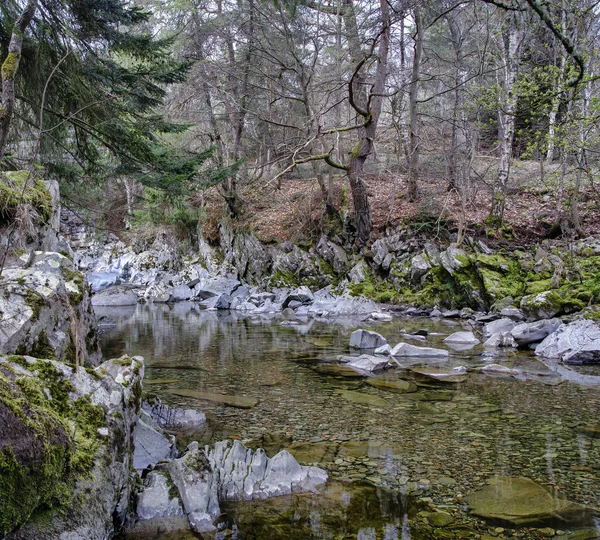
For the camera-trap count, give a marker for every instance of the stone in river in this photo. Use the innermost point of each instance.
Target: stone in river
(523, 503)
(240, 402)
(405, 349)
(365, 363)
(434, 374)
(364, 339)
(462, 338)
(160, 381)
(399, 386)
(364, 399)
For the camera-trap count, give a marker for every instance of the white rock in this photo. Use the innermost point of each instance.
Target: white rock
(365, 363)
(462, 338)
(405, 349)
(500, 325)
(574, 343)
(365, 339)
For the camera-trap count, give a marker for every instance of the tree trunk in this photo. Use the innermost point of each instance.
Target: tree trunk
(413, 134)
(506, 119)
(9, 71)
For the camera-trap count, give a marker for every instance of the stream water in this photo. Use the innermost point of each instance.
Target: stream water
(400, 464)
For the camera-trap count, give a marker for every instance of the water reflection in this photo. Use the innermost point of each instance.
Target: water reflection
(438, 444)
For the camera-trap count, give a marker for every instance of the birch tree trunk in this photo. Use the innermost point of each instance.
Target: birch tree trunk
(9, 70)
(506, 117)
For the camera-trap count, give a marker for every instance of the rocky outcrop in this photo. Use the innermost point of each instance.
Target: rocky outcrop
(204, 477)
(71, 446)
(45, 310)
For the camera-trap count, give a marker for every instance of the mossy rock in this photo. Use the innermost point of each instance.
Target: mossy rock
(35, 453)
(16, 187)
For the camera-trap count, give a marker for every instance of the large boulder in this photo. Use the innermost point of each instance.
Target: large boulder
(521, 502)
(45, 310)
(73, 457)
(526, 333)
(365, 339)
(462, 338)
(499, 326)
(574, 343)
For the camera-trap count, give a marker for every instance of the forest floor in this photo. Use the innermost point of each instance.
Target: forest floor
(295, 210)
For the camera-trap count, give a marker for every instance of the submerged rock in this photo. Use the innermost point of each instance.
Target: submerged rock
(365, 363)
(173, 417)
(407, 350)
(240, 402)
(115, 296)
(398, 386)
(462, 338)
(365, 339)
(523, 503)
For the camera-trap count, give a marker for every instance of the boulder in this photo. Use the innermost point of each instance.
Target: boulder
(544, 305)
(419, 267)
(365, 363)
(501, 339)
(451, 258)
(384, 349)
(151, 446)
(173, 417)
(526, 333)
(156, 505)
(359, 273)
(500, 325)
(523, 503)
(574, 343)
(102, 280)
(180, 293)
(193, 476)
(333, 254)
(224, 302)
(462, 338)
(115, 296)
(302, 295)
(407, 350)
(45, 310)
(365, 339)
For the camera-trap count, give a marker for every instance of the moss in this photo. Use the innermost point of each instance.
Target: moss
(10, 66)
(17, 359)
(34, 194)
(540, 286)
(68, 274)
(35, 302)
(381, 291)
(41, 347)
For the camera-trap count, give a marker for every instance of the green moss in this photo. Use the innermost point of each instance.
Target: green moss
(41, 348)
(18, 359)
(34, 194)
(537, 287)
(35, 302)
(10, 66)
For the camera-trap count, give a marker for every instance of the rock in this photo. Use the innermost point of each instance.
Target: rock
(512, 313)
(361, 398)
(498, 326)
(240, 402)
(302, 295)
(418, 268)
(102, 280)
(180, 293)
(193, 476)
(224, 302)
(92, 463)
(379, 316)
(523, 503)
(338, 370)
(151, 446)
(407, 350)
(45, 310)
(173, 417)
(499, 369)
(364, 339)
(547, 304)
(365, 364)
(390, 385)
(216, 286)
(441, 375)
(440, 519)
(155, 502)
(244, 474)
(359, 273)
(115, 296)
(451, 258)
(384, 349)
(575, 343)
(526, 333)
(501, 339)
(333, 254)
(462, 338)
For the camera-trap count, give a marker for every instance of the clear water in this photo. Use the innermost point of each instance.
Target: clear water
(393, 458)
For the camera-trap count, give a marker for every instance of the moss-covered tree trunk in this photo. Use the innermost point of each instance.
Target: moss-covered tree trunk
(9, 71)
